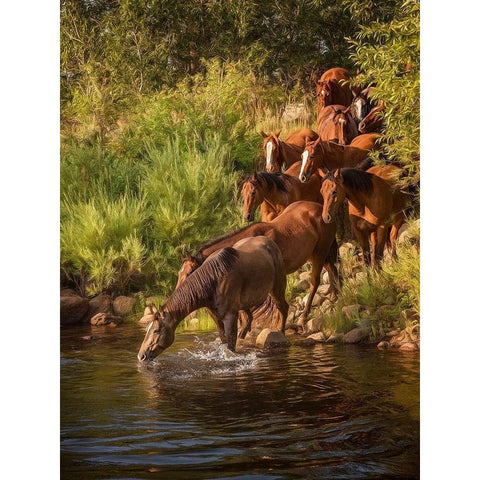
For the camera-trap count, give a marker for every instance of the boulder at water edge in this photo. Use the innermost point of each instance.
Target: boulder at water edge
(72, 309)
(99, 304)
(356, 335)
(267, 339)
(123, 305)
(105, 319)
(318, 337)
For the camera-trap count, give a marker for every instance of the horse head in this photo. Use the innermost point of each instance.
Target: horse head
(324, 92)
(252, 196)
(340, 122)
(159, 336)
(308, 160)
(189, 265)
(373, 121)
(333, 194)
(271, 149)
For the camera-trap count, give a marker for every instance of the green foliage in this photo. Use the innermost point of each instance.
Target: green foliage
(398, 283)
(388, 55)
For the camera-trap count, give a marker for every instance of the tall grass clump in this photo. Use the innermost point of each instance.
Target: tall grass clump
(384, 293)
(191, 195)
(101, 242)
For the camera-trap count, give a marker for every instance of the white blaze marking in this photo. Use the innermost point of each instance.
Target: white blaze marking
(304, 161)
(341, 120)
(269, 153)
(149, 327)
(323, 92)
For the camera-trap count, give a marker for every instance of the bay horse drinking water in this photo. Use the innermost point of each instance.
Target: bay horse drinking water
(328, 156)
(373, 205)
(301, 236)
(273, 192)
(279, 153)
(335, 123)
(333, 88)
(233, 279)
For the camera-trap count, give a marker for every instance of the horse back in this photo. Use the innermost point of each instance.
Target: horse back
(336, 73)
(298, 138)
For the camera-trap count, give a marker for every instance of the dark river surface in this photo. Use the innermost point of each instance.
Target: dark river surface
(200, 412)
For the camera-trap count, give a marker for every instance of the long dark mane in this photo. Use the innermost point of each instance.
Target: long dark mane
(199, 257)
(203, 281)
(357, 180)
(272, 180)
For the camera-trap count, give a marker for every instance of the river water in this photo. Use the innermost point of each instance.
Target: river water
(200, 412)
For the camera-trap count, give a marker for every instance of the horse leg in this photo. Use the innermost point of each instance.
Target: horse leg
(399, 220)
(230, 320)
(248, 325)
(314, 283)
(381, 237)
(334, 276)
(220, 326)
(278, 296)
(362, 239)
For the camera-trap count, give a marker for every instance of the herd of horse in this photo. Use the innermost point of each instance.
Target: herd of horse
(308, 178)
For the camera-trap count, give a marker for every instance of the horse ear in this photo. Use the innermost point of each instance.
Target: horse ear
(278, 134)
(338, 176)
(263, 134)
(347, 110)
(323, 172)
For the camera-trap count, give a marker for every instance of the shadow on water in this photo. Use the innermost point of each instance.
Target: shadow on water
(202, 412)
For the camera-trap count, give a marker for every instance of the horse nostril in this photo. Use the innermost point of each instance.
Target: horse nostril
(304, 178)
(142, 358)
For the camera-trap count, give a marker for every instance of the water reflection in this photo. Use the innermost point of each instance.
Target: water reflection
(324, 412)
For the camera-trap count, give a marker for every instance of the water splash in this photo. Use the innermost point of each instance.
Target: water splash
(206, 359)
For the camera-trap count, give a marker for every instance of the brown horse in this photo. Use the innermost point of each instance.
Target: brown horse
(333, 88)
(301, 235)
(280, 153)
(328, 156)
(273, 192)
(372, 207)
(362, 104)
(373, 122)
(336, 124)
(367, 141)
(233, 279)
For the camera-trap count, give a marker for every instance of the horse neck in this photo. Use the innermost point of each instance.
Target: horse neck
(273, 196)
(358, 199)
(338, 156)
(228, 240)
(288, 154)
(182, 302)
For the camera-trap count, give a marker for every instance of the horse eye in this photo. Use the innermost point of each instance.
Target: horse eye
(253, 194)
(156, 331)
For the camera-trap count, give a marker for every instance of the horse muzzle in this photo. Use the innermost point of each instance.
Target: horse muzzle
(327, 218)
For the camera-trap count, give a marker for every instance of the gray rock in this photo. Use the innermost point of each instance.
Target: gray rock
(306, 342)
(302, 284)
(346, 248)
(314, 325)
(318, 337)
(105, 319)
(383, 344)
(408, 347)
(100, 304)
(335, 338)
(323, 289)
(356, 335)
(68, 292)
(123, 305)
(269, 339)
(295, 112)
(72, 309)
(304, 276)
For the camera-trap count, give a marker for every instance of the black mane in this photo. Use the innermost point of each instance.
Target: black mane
(203, 281)
(357, 180)
(272, 180)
